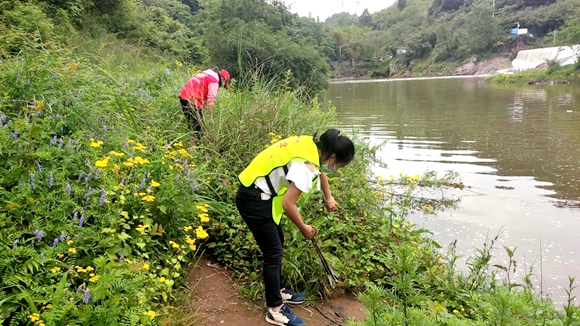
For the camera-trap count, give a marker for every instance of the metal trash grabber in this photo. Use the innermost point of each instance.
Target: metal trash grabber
(324, 263)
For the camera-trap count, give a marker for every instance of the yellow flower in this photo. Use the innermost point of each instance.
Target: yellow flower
(414, 178)
(34, 317)
(69, 242)
(139, 147)
(183, 152)
(373, 216)
(89, 268)
(72, 250)
(455, 311)
(201, 233)
(205, 205)
(128, 162)
(189, 240)
(203, 217)
(272, 134)
(192, 247)
(96, 144)
(274, 140)
(146, 266)
(141, 227)
(173, 244)
(94, 278)
(55, 269)
(188, 228)
(60, 256)
(150, 313)
(129, 141)
(201, 208)
(148, 198)
(162, 279)
(154, 183)
(140, 160)
(178, 144)
(116, 168)
(171, 167)
(115, 153)
(103, 163)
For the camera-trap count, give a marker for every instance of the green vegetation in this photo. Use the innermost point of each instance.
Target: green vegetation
(449, 31)
(105, 198)
(553, 74)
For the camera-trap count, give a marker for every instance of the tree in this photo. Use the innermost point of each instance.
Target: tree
(401, 4)
(365, 19)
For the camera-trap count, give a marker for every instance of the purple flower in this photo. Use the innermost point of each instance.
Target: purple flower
(15, 244)
(54, 243)
(8, 124)
(50, 180)
(87, 200)
(78, 94)
(80, 288)
(62, 236)
(134, 190)
(87, 296)
(75, 216)
(41, 255)
(67, 189)
(81, 221)
(68, 143)
(32, 181)
(53, 140)
(148, 175)
(39, 166)
(126, 144)
(143, 183)
(121, 258)
(15, 134)
(123, 181)
(39, 234)
(88, 178)
(104, 128)
(167, 72)
(2, 119)
(103, 197)
(90, 169)
(96, 174)
(78, 148)
(60, 143)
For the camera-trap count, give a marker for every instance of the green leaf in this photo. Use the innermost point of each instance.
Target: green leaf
(164, 271)
(108, 230)
(163, 209)
(123, 236)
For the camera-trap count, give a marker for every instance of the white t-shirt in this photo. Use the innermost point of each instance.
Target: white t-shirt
(298, 173)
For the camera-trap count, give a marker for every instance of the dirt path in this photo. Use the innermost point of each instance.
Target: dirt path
(218, 302)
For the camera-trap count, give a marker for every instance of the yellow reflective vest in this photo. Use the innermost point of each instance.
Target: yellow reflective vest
(278, 155)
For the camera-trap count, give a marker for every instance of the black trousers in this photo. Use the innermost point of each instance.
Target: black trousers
(270, 238)
(192, 113)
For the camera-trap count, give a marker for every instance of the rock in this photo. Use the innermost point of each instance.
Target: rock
(469, 68)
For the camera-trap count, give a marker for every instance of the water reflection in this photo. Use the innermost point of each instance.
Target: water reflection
(518, 150)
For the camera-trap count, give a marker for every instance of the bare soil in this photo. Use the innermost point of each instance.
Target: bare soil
(218, 302)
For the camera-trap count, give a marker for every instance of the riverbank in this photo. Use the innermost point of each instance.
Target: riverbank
(412, 69)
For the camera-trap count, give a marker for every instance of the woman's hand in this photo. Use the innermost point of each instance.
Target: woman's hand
(331, 204)
(308, 231)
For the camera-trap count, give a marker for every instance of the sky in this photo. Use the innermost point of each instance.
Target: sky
(326, 8)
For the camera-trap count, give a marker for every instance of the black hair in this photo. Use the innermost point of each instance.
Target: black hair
(222, 80)
(332, 142)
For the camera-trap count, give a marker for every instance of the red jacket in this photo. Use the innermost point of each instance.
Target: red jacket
(201, 89)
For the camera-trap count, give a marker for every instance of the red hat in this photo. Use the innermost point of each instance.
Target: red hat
(226, 76)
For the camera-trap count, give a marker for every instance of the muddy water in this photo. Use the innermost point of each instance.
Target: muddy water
(516, 148)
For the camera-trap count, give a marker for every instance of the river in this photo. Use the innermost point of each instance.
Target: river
(517, 150)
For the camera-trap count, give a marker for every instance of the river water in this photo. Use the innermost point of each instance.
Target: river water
(517, 149)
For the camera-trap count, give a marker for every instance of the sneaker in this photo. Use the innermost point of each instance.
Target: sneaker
(291, 297)
(285, 317)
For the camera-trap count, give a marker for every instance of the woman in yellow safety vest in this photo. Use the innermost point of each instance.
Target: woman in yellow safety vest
(270, 186)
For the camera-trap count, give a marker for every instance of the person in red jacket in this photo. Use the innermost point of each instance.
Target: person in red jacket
(199, 93)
